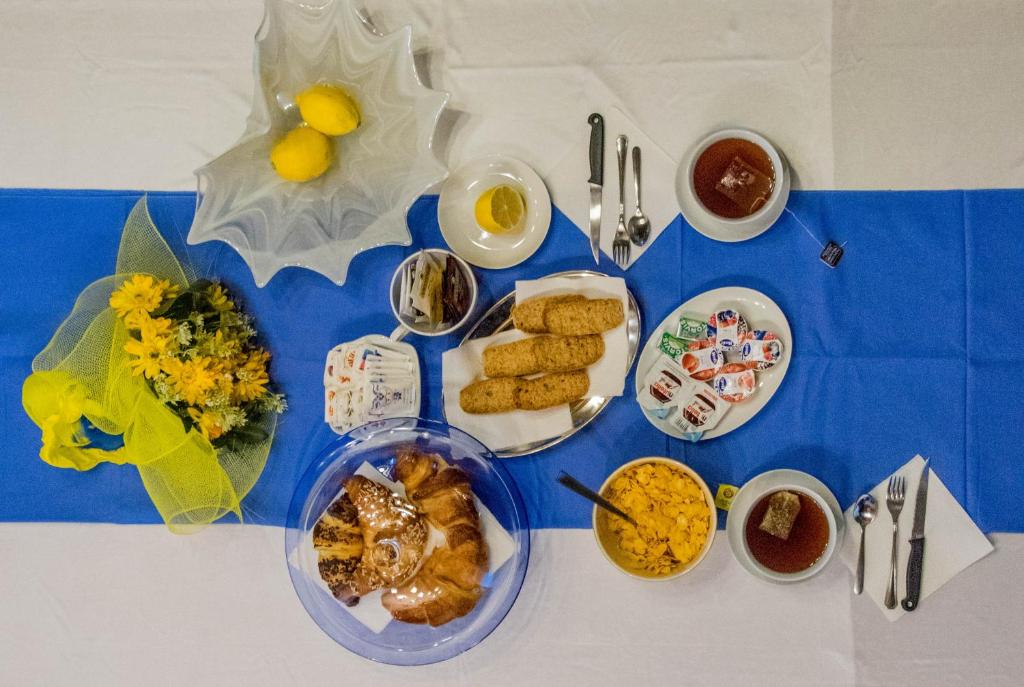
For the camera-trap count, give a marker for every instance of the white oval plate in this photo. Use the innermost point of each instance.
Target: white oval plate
(760, 312)
(767, 481)
(455, 212)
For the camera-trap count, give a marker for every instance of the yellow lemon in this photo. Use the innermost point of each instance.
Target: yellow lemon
(500, 209)
(302, 154)
(328, 109)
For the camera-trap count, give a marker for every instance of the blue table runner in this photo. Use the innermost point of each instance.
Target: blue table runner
(909, 346)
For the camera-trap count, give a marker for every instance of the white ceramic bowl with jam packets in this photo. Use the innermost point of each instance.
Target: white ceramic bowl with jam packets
(678, 497)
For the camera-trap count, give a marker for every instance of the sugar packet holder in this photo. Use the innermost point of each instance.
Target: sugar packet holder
(371, 378)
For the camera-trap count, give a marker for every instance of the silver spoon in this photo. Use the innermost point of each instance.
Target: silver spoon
(639, 225)
(863, 513)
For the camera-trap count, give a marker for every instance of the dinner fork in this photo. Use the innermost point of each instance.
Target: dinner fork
(894, 502)
(620, 246)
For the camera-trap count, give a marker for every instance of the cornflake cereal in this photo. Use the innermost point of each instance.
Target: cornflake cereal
(672, 514)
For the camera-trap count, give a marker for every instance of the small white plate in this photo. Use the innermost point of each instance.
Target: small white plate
(760, 312)
(457, 202)
(767, 482)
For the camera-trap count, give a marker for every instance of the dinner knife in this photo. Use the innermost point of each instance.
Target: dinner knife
(916, 560)
(596, 181)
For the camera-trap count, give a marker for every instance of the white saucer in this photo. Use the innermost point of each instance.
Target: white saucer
(768, 481)
(760, 312)
(455, 212)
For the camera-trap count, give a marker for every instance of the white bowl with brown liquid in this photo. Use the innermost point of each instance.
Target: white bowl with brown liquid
(816, 535)
(705, 202)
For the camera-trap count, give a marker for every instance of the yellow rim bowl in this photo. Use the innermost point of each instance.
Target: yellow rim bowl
(606, 541)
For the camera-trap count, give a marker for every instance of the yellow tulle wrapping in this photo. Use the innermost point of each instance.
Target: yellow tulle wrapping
(83, 372)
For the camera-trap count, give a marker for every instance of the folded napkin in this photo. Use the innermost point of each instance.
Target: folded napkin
(952, 540)
(571, 193)
(607, 375)
(369, 611)
(497, 431)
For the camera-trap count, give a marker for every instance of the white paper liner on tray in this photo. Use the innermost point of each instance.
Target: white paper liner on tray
(499, 431)
(369, 611)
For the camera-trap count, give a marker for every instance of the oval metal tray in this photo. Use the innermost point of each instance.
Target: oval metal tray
(499, 319)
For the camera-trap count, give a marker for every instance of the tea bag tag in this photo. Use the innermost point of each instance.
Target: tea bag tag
(724, 496)
(832, 254)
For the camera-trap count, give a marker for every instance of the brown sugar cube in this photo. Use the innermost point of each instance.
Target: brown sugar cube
(783, 507)
(745, 186)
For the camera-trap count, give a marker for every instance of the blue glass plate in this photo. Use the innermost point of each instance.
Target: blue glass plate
(376, 443)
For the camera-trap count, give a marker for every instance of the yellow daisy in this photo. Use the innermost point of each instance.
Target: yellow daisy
(251, 378)
(192, 379)
(209, 422)
(136, 319)
(147, 356)
(155, 328)
(140, 294)
(218, 296)
(170, 290)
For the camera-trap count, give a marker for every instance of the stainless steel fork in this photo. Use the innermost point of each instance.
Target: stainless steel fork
(620, 246)
(894, 502)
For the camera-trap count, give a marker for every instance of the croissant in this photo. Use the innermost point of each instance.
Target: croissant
(448, 584)
(394, 535)
(338, 541)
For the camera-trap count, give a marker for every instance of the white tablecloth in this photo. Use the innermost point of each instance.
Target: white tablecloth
(919, 94)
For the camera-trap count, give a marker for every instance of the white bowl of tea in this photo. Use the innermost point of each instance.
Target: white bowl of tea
(784, 526)
(733, 185)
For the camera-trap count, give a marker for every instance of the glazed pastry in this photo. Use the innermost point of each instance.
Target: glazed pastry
(503, 394)
(542, 354)
(394, 535)
(448, 584)
(569, 315)
(338, 541)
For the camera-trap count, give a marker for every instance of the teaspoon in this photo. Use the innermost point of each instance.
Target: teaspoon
(863, 513)
(639, 225)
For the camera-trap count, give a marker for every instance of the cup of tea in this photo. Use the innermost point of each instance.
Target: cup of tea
(733, 185)
(784, 530)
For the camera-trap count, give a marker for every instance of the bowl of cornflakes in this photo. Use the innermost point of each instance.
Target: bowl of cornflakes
(675, 519)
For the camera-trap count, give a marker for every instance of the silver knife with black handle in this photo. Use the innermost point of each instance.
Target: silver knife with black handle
(596, 181)
(915, 563)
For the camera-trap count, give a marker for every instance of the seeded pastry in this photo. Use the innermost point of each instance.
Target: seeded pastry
(552, 390)
(542, 354)
(528, 316)
(503, 394)
(586, 317)
(496, 395)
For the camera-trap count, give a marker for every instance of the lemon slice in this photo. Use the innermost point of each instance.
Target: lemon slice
(328, 109)
(500, 210)
(302, 154)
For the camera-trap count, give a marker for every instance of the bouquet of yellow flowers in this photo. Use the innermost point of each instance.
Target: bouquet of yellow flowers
(195, 348)
(168, 363)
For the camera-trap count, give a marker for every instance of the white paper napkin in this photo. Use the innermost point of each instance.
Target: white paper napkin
(497, 431)
(369, 610)
(952, 540)
(607, 375)
(571, 192)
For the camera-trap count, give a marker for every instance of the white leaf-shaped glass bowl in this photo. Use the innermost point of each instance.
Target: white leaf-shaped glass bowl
(379, 169)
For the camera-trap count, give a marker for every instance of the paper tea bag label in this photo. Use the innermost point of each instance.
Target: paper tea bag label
(724, 496)
(832, 254)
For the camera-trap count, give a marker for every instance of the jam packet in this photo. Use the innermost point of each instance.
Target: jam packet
(760, 349)
(727, 327)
